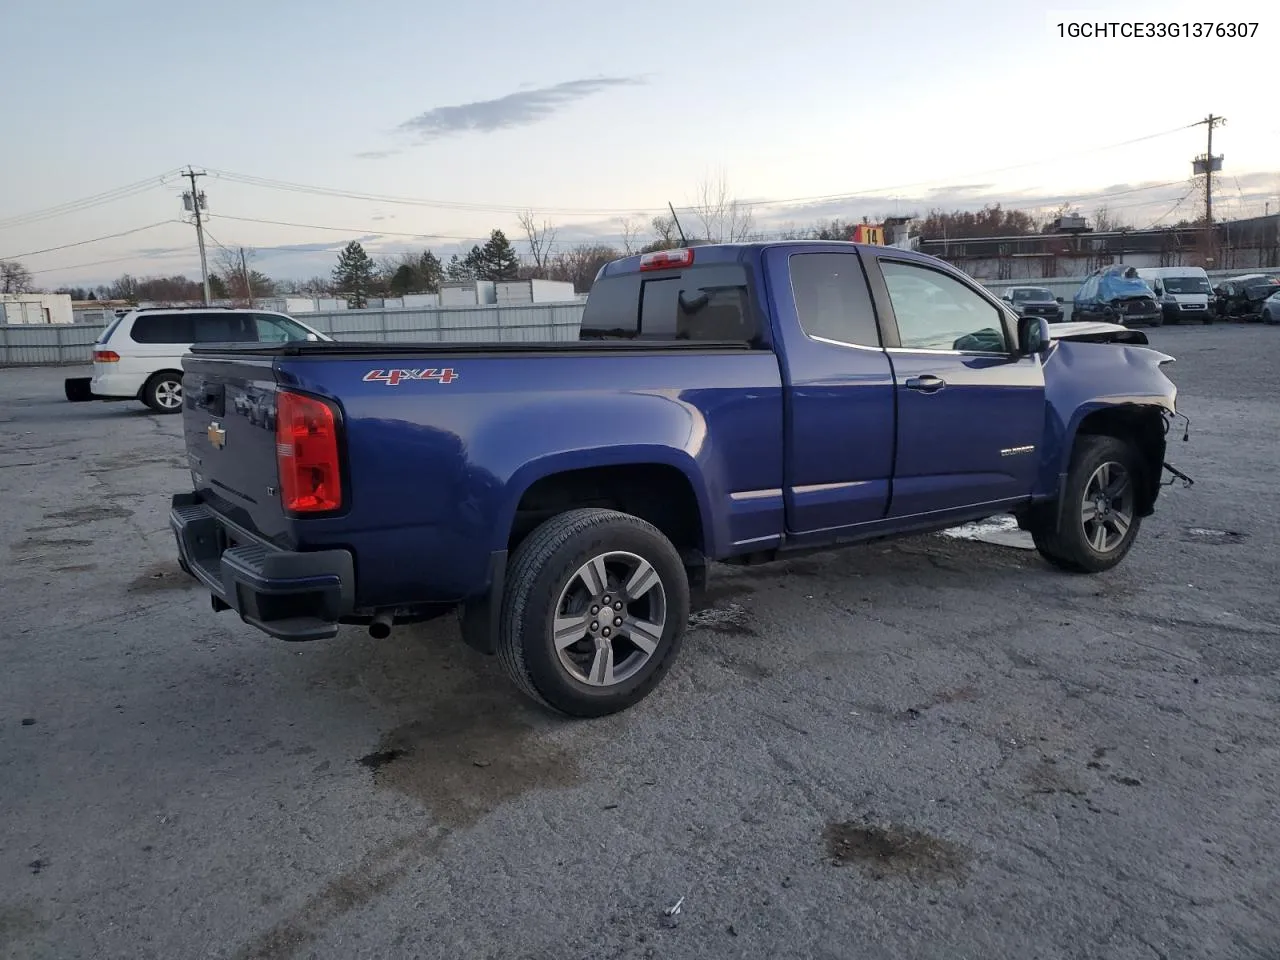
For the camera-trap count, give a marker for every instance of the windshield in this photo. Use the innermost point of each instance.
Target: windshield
(282, 329)
(1186, 285)
(1022, 294)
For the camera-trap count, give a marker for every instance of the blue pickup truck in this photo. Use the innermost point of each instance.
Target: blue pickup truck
(732, 403)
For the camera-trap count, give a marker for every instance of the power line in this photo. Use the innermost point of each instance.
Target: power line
(1173, 209)
(81, 243)
(361, 230)
(85, 203)
(156, 255)
(290, 186)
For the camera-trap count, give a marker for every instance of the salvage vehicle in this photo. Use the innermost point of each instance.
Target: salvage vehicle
(1117, 294)
(1241, 298)
(738, 403)
(1034, 302)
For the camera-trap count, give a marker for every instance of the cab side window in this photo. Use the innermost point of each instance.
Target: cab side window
(938, 312)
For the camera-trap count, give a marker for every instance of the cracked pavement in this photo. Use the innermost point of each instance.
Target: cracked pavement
(931, 748)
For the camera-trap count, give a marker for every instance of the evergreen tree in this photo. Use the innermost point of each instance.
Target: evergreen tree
(460, 269)
(430, 272)
(402, 281)
(355, 274)
(499, 257)
(476, 265)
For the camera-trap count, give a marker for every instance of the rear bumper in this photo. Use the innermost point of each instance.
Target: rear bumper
(286, 594)
(107, 384)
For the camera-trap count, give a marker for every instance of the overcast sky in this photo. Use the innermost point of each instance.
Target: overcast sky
(589, 111)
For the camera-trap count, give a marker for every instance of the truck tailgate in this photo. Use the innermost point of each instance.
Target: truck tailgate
(229, 421)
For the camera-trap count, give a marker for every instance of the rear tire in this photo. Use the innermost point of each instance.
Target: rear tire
(1096, 522)
(554, 639)
(163, 392)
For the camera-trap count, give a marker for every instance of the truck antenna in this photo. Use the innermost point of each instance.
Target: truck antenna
(676, 219)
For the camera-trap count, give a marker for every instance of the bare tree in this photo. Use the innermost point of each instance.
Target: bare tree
(1104, 220)
(630, 234)
(14, 277)
(238, 276)
(724, 219)
(580, 264)
(666, 234)
(541, 238)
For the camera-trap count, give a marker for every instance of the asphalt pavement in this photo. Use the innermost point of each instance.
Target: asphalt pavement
(932, 748)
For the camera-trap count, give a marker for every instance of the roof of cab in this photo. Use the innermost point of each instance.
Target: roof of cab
(705, 253)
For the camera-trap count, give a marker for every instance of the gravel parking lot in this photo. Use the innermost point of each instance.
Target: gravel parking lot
(928, 749)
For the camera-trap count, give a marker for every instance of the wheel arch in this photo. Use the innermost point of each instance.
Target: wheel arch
(658, 484)
(1141, 424)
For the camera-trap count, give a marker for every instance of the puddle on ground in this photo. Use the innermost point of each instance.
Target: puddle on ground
(895, 851)
(470, 751)
(1001, 531)
(1210, 535)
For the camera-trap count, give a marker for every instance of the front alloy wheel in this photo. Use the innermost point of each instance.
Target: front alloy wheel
(1095, 523)
(1107, 506)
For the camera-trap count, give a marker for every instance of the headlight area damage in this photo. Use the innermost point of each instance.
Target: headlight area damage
(1150, 390)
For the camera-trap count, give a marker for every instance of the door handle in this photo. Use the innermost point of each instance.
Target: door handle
(926, 384)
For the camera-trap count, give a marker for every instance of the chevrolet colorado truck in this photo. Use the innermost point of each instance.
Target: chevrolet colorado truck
(734, 403)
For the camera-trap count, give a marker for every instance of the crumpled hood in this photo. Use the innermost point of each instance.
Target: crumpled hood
(1088, 331)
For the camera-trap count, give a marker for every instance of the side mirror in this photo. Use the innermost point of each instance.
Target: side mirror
(313, 338)
(1007, 299)
(1059, 299)
(1033, 335)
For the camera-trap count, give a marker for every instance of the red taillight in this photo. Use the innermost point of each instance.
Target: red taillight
(666, 259)
(307, 454)
(106, 356)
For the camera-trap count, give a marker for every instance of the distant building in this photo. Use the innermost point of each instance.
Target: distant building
(35, 308)
(1233, 245)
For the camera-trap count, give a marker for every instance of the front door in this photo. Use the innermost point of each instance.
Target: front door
(971, 412)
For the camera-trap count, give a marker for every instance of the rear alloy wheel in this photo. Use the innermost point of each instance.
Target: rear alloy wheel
(593, 612)
(1097, 521)
(163, 392)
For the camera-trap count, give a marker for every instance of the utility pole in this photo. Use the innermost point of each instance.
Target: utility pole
(248, 287)
(1208, 165)
(194, 202)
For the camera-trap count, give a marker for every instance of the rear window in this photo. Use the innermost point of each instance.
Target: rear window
(111, 328)
(702, 303)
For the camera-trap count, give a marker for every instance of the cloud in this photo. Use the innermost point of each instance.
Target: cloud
(517, 109)
(376, 154)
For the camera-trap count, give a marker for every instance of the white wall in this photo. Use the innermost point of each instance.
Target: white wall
(35, 308)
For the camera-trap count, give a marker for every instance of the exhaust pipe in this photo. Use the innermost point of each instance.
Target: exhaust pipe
(380, 628)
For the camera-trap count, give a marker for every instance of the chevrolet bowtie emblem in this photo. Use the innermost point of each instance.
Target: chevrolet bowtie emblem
(217, 435)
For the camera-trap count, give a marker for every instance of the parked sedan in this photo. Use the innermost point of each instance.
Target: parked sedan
(1271, 308)
(1034, 302)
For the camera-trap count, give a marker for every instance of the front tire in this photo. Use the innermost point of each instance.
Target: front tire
(1096, 522)
(163, 392)
(555, 640)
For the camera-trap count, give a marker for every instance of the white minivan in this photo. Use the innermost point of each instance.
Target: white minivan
(139, 355)
(1182, 292)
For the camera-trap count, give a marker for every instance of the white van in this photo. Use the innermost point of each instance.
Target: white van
(1183, 292)
(139, 356)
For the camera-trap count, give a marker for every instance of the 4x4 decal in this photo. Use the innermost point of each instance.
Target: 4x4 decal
(395, 377)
